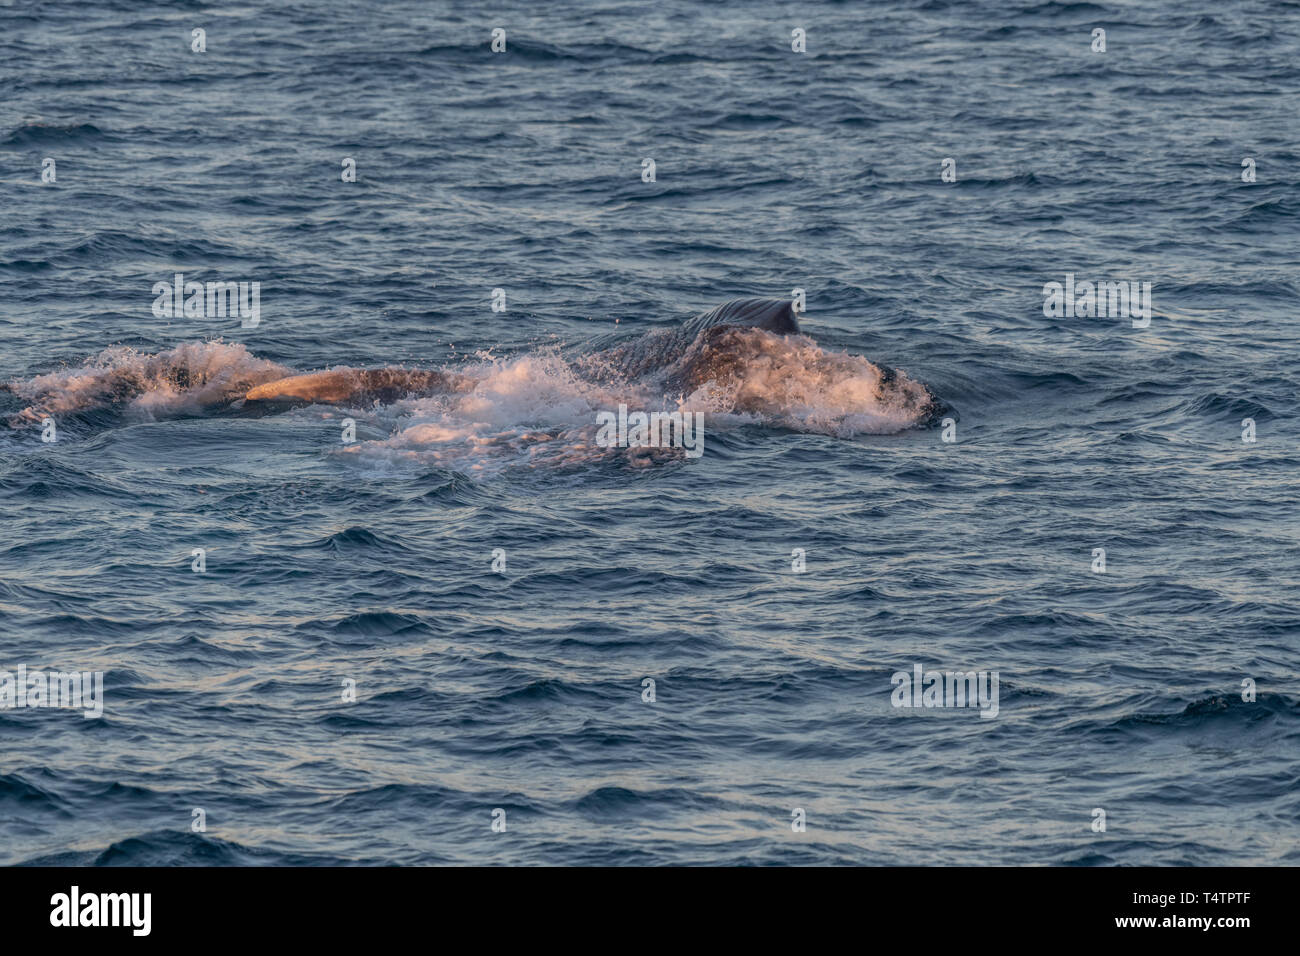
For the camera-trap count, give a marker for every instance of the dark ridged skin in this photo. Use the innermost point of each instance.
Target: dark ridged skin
(660, 349)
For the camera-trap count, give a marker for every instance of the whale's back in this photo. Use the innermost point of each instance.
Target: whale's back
(661, 348)
(771, 315)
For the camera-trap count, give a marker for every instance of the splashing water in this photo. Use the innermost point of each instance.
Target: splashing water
(188, 379)
(537, 410)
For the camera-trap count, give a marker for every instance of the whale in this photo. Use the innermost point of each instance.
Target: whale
(747, 355)
(629, 360)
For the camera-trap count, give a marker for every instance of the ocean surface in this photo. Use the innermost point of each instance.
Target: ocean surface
(495, 588)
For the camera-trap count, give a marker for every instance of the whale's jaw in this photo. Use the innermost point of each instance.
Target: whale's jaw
(353, 386)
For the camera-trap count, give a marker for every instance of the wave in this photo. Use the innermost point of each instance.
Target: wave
(1218, 709)
(47, 134)
(180, 848)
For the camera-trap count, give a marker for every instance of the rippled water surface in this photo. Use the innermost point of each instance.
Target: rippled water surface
(521, 688)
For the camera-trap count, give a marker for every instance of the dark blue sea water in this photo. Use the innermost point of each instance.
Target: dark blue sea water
(520, 689)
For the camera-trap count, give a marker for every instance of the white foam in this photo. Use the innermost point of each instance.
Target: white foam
(533, 410)
(792, 382)
(188, 378)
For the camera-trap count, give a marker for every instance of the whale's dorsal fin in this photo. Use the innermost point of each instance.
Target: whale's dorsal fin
(771, 315)
(662, 347)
